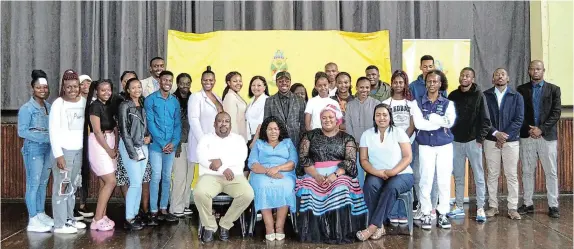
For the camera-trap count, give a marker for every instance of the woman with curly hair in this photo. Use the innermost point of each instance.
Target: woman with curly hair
(272, 161)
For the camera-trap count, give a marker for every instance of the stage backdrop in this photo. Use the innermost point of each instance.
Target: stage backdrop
(265, 53)
(450, 55)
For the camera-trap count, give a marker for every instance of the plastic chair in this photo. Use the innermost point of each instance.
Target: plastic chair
(407, 199)
(222, 200)
(293, 217)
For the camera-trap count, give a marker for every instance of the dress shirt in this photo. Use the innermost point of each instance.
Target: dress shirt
(231, 150)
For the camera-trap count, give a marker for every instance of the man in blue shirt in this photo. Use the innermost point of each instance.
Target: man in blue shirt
(164, 124)
(538, 136)
(418, 87)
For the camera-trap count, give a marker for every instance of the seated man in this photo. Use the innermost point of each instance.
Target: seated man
(221, 159)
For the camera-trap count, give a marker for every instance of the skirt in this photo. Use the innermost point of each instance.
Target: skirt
(330, 214)
(100, 162)
(122, 175)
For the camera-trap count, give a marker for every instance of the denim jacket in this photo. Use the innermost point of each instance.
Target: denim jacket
(33, 121)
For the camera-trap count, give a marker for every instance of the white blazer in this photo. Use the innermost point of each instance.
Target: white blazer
(201, 114)
(254, 114)
(148, 87)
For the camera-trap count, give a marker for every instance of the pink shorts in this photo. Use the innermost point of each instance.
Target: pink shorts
(100, 161)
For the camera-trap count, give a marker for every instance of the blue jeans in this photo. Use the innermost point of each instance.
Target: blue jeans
(135, 170)
(381, 195)
(161, 165)
(360, 171)
(38, 162)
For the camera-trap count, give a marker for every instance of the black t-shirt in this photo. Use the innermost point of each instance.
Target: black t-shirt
(104, 112)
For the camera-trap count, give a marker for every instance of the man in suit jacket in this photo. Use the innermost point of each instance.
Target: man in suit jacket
(151, 84)
(287, 107)
(538, 136)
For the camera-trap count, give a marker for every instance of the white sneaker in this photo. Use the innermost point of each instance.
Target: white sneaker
(66, 229)
(44, 218)
(433, 214)
(418, 215)
(36, 225)
(76, 224)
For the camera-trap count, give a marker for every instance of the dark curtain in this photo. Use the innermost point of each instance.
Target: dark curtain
(102, 39)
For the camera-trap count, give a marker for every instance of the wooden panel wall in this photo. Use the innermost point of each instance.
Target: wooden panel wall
(14, 175)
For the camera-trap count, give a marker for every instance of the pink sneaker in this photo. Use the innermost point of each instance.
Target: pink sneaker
(110, 221)
(101, 225)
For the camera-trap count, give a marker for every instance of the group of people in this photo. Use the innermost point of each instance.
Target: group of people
(337, 160)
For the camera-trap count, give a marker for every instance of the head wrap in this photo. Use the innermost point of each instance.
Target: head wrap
(336, 110)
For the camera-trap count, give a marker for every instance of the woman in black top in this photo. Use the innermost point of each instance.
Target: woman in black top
(102, 148)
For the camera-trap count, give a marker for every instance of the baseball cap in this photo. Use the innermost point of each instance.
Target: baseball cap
(283, 74)
(84, 77)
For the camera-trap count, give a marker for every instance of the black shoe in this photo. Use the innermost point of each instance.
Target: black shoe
(133, 225)
(170, 217)
(179, 215)
(85, 212)
(207, 236)
(187, 211)
(159, 216)
(526, 209)
(152, 220)
(553, 212)
(223, 234)
(78, 216)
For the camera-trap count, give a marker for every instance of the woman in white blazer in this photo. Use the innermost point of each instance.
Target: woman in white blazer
(258, 92)
(234, 104)
(202, 108)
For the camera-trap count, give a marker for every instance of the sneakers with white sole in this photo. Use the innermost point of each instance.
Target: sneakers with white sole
(66, 229)
(76, 224)
(426, 222)
(418, 215)
(44, 218)
(36, 225)
(443, 222)
(480, 215)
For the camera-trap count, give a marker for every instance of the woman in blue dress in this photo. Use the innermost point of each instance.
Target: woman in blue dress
(272, 162)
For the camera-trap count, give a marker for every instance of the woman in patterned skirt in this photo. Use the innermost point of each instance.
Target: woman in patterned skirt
(331, 203)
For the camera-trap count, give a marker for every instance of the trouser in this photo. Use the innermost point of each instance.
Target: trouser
(135, 170)
(209, 186)
(63, 201)
(473, 151)
(381, 195)
(435, 160)
(182, 177)
(360, 171)
(38, 162)
(530, 150)
(161, 165)
(509, 155)
(417, 177)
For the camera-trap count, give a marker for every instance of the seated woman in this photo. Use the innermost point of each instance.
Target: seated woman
(385, 153)
(272, 161)
(331, 204)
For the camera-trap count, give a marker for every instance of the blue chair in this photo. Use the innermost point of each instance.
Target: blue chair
(407, 199)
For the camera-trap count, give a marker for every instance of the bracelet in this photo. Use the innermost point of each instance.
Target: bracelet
(337, 175)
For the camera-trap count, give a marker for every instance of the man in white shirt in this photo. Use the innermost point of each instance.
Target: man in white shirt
(319, 102)
(151, 84)
(221, 157)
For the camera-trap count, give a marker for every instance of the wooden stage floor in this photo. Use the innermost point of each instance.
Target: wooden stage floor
(536, 231)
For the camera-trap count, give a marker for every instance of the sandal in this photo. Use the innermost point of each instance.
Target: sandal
(378, 234)
(361, 235)
(101, 225)
(110, 221)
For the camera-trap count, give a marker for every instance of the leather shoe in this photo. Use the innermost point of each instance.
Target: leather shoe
(223, 234)
(207, 236)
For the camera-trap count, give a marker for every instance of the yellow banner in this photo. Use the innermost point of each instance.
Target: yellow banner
(265, 53)
(450, 56)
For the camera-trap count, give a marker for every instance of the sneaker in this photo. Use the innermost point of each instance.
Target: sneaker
(178, 215)
(553, 212)
(169, 217)
(513, 214)
(491, 212)
(433, 214)
(403, 220)
(443, 222)
(151, 220)
(76, 224)
(456, 212)
(480, 215)
(525, 209)
(394, 219)
(85, 212)
(36, 225)
(133, 225)
(418, 215)
(426, 224)
(259, 217)
(78, 216)
(187, 211)
(416, 206)
(66, 229)
(45, 219)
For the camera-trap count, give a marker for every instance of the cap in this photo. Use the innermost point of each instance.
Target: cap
(84, 77)
(283, 74)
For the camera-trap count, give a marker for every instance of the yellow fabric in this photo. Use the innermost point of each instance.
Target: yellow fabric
(195, 176)
(265, 53)
(450, 55)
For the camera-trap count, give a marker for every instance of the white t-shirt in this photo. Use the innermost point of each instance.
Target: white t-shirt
(315, 106)
(402, 112)
(385, 155)
(67, 125)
